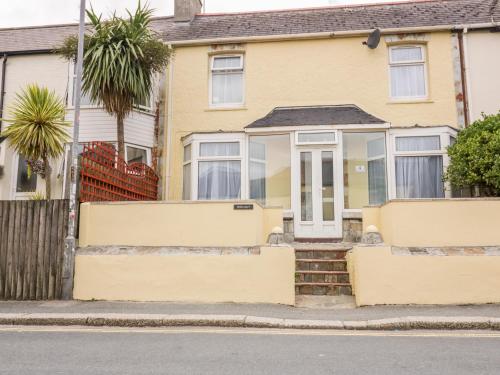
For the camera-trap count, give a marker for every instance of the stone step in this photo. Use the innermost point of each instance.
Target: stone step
(328, 277)
(320, 254)
(321, 265)
(330, 289)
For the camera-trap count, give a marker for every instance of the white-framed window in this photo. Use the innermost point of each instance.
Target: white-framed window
(186, 172)
(418, 163)
(216, 170)
(226, 81)
(137, 154)
(319, 137)
(408, 72)
(85, 100)
(25, 181)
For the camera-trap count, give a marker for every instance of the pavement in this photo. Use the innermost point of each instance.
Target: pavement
(228, 351)
(158, 314)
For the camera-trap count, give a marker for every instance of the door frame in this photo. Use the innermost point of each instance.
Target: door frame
(338, 189)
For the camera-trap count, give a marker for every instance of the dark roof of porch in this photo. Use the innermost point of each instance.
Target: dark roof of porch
(316, 115)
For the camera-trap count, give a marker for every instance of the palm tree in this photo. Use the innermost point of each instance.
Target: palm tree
(37, 129)
(121, 56)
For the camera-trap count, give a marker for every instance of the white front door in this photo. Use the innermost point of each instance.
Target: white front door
(317, 212)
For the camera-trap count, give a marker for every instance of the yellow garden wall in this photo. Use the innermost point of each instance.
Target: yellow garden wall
(264, 278)
(440, 222)
(176, 224)
(379, 277)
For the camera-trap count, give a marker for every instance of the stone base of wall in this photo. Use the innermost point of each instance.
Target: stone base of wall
(352, 230)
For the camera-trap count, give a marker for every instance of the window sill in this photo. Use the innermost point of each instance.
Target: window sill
(410, 101)
(236, 108)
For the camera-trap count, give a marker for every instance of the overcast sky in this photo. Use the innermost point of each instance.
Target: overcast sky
(15, 13)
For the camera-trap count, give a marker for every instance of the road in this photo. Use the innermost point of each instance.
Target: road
(74, 350)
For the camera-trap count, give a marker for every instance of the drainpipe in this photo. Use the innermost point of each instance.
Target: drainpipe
(2, 90)
(463, 73)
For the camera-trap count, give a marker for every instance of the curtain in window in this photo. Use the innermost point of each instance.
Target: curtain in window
(426, 143)
(407, 81)
(419, 177)
(24, 183)
(186, 185)
(220, 149)
(219, 180)
(227, 88)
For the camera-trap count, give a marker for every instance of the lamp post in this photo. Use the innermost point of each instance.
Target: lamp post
(70, 242)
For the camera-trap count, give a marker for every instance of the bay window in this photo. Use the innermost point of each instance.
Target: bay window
(270, 169)
(365, 179)
(419, 166)
(226, 81)
(407, 72)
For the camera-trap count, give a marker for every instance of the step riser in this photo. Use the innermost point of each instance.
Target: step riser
(321, 278)
(318, 254)
(321, 266)
(331, 290)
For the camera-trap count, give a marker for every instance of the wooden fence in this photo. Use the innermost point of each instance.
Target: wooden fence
(32, 237)
(104, 176)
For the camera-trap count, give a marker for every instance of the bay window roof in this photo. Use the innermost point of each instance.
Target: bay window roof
(316, 115)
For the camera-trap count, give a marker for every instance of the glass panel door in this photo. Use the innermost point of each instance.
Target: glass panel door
(306, 188)
(327, 187)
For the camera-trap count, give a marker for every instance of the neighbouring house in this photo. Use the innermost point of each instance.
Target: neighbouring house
(481, 59)
(27, 56)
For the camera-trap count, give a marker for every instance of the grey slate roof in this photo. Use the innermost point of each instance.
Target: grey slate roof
(316, 115)
(297, 21)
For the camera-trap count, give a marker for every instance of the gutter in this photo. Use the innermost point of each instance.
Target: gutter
(464, 76)
(329, 35)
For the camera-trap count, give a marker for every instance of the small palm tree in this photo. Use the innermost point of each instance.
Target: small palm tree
(37, 129)
(121, 55)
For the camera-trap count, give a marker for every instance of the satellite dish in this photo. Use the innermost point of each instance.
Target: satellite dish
(373, 39)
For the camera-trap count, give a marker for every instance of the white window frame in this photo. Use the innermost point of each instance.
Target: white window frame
(444, 134)
(14, 193)
(184, 163)
(148, 152)
(298, 143)
(241, 68)
(196, 139)
(71, 90)
(422, 62)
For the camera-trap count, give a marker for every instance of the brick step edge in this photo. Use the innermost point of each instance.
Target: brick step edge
(322, 284)
(320, 260)
(307, 272)
(157, 320)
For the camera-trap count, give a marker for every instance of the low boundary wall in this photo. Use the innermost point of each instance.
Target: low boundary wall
(437, 222)
(214, 223)
(266, 277)
(380, 277)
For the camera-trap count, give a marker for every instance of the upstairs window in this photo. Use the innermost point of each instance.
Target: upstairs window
(226, 87)
(407, 72)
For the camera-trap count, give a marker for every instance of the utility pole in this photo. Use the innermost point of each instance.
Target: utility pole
(70, 241)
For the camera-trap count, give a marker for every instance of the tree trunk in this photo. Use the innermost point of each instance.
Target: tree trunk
(120, 133)
(48, 174)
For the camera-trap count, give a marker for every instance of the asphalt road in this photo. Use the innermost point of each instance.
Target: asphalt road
(53, 350)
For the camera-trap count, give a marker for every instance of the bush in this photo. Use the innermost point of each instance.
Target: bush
(475, 157)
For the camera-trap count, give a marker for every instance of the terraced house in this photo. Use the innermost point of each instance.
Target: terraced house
(328, 123)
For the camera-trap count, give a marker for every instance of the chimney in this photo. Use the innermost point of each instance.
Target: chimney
(185, 10)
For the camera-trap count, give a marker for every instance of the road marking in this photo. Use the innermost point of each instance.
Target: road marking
(250, 331)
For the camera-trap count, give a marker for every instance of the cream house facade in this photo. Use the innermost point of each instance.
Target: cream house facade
(312, 119)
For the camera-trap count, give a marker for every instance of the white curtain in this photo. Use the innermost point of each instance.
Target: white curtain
(219, 180)
(419, 177)
(220, 149)
(407, 81)
(426, 143)
(227, 87)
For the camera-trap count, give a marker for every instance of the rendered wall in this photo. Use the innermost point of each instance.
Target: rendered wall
(307, 72)
(379, 277)
(483, 60)
(264, 278)
(440, 222)
(213, 223)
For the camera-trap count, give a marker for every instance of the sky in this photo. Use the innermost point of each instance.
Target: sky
(15, 13)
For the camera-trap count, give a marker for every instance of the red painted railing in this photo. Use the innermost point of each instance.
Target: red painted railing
(104, 176)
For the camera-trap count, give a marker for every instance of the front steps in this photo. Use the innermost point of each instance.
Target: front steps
(321, 269)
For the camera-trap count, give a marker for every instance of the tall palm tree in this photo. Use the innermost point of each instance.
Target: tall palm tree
(37, 129)
(120, 58)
